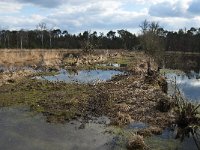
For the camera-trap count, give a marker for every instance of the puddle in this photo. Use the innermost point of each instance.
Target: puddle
(83, 76)
(137, 125)
(167, 141)
(21, 130)
(113, 65)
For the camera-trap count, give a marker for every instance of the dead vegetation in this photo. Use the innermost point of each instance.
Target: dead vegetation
(124, 99)
(138, 96)
(30, 57)
(136, 142)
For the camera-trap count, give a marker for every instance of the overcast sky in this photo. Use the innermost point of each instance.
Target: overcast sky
(100, 15)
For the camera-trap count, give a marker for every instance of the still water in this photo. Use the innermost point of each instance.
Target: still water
(185, 71)
(82, 76)
(167, 141)
(22, 130)
(189, 84)
(188, 76)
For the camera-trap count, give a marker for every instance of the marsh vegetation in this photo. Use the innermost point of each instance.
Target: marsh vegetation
(72, 89)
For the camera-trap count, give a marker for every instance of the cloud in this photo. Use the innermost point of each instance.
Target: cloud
(79, 15)
(43, 3)
(194, 7)
(7, 7)
(164, 9)
(176, 23)
(17, 23)
(170, 9)
(96, 15)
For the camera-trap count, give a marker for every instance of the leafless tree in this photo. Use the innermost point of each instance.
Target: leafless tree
(50, 31)
(144, 26)
(41, 27)
(151, 41)
(22, 36)
(153, 27)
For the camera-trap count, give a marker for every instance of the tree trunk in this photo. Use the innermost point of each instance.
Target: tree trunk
(50, 42)
(42, 40)
(21, 43)
(8, 42)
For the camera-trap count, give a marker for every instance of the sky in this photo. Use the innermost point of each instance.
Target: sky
(100, 15)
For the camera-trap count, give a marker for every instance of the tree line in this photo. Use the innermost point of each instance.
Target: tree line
(45, 38)
(152, 39)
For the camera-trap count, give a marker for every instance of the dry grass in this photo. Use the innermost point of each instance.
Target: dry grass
(28, 57)
(49, 57)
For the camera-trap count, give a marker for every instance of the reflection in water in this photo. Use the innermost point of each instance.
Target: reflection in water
(21, 130)
(167, 141)
(83, 76)
(113, 65)
(182, 61)
(188, 84)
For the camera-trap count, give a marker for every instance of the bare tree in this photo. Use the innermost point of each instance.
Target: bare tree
(153, 27)
(144, 26)
(152, 39)
(41, 27)
(51, 33)
(22, 36)
(8, 37)
(5, 35)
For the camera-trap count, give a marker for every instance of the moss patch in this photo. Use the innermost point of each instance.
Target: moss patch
(59, 100)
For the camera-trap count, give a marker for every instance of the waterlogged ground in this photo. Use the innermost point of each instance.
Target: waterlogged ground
(188, 82)
(52, 109)
(22, 130)
(167, 141)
